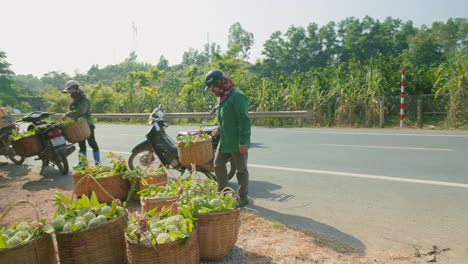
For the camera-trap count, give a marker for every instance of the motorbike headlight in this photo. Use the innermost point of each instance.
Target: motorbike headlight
(151, 120)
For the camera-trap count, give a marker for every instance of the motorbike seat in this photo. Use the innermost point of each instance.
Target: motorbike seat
(35, 116)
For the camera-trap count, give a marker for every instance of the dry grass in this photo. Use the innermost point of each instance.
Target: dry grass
(273, 242)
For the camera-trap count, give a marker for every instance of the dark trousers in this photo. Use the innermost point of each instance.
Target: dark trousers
(242, 171)
(91, 142)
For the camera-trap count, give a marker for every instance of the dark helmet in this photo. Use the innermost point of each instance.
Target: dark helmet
(212, 76)
(71, 86)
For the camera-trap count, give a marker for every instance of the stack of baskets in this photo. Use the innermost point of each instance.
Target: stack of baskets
(77, 131)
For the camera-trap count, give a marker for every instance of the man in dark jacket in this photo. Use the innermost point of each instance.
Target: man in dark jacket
(79, 108)
(234, 129)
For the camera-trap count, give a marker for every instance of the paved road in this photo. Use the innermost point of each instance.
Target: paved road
(357, 188)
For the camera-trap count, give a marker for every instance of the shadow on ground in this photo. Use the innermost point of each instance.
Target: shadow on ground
(14, 173)
(326, 236)
(257, 145)
(51, 179)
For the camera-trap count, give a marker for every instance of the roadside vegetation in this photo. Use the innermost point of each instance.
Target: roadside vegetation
(339, 71)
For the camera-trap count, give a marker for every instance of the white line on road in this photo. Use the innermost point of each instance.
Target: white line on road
(366, 176)
(345, 174)
(365, 133)
(385, 147)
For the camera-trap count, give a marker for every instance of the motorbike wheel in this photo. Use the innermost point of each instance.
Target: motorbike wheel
(17, 159)
(142, 158)
(62, 163)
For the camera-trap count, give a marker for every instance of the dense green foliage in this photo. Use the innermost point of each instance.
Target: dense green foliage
(348, 66)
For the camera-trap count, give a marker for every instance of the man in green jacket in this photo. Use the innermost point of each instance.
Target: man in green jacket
(80, 108)
(234, 129)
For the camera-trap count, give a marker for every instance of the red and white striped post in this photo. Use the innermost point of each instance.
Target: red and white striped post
(402, 97)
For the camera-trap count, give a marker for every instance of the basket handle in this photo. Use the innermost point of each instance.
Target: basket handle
(226, 190)
(5, 213)
(91, 177)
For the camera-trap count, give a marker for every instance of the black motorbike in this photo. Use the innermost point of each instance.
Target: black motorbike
(55, 147)
(5, 145)
(160, 148)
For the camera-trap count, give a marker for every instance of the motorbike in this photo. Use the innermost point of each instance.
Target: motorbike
(55, 147)
(160, 148)
(5, 145)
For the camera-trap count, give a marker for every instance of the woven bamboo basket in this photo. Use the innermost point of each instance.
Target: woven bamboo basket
(104, 243)
(218, 233)
(109, 188)
(185, 251)
(77, 131)
(159, 179)
(27, 146)
(198, 153)
(39, 251)
(81, 186)
(148, 203)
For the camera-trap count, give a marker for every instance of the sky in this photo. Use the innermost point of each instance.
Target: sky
(70, 36)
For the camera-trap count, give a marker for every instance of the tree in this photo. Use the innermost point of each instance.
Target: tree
(7, 93)
(194, 57)
(163, 63)
(328, 45)
(423, 49)
(55, 79)
(448, 34)
(240, 37)
(28, 85)
(132, 57)
(349, 32)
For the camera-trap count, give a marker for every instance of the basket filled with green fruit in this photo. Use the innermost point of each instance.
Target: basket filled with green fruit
(194, 149)
(26, 242)
(162, 238)
(105, 179)
(26, 144)
(88, 231)
(217, 214)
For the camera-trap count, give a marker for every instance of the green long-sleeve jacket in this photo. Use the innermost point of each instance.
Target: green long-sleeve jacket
(234, 122)
(80, 109)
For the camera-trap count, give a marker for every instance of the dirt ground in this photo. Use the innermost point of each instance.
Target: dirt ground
(260, 240)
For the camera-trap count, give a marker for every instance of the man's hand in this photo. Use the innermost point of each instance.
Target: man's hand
(243, 149)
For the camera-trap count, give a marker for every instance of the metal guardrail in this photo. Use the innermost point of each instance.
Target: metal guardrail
(276, 114)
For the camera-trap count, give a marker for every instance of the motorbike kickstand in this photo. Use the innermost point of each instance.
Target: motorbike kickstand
(44, 164)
